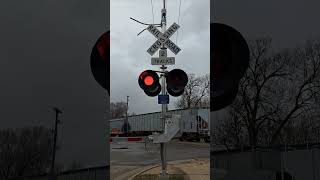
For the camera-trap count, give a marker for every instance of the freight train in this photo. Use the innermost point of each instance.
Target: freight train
(195, 124)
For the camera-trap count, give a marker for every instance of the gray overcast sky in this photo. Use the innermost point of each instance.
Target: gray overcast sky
(287, 22)
(128, 51)
(45, 47)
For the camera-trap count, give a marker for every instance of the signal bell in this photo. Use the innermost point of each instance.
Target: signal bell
(149, 82)
(176, 80)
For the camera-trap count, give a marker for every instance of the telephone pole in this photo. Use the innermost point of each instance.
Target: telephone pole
(57, 111)
(127, 122)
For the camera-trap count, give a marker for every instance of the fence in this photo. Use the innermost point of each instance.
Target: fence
(95, 173)
(286, 162)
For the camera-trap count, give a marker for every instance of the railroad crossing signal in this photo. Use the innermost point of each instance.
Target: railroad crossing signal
(163, 59)
(100, 61)
(149, 82)
(176, 80)
(163, 39)
(229, 61)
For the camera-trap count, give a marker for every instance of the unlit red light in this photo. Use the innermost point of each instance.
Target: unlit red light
(103, 44)
(148, 80)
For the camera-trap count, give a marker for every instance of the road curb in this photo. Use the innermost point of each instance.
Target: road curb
(155, 166)
(144, 170)
(194, 143)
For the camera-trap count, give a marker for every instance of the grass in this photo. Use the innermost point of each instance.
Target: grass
(157, 177)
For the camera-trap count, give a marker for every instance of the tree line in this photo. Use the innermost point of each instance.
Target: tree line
(25, 151)
(28, 152)
(278, 99)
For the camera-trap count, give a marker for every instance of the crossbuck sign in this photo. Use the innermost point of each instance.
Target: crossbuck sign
(163, 39)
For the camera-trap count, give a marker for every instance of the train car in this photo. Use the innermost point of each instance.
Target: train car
(198, 127)
(195, 124)
(204, 124)
(116, 126)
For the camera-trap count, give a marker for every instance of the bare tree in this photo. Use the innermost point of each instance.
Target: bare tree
(253, 104)
(25, 152)
(8, 145)
(118, 109)
(277, 89)
(229, 132)
(300, 131)
(304, 85)
(196, 93)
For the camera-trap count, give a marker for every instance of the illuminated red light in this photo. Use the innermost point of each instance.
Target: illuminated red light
(148, 80)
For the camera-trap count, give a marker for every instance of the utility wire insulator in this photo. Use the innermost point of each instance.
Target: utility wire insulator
(163, 16)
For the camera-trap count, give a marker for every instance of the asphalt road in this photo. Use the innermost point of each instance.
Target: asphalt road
(138, 155)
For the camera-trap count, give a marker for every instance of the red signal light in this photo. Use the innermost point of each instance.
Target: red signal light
(176, 80)
(217, 65)
(102, 45)
(100, 61)
(230, 57)
(148, 80)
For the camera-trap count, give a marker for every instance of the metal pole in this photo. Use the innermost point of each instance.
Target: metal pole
(127, 122)
(162, 145)
(57, 111)
(163, 92)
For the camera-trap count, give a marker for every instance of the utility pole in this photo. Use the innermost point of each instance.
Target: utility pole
(57, 111)
(163, 92)
(127, 122)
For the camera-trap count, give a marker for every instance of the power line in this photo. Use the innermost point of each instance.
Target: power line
(178, 22)
(152, 11)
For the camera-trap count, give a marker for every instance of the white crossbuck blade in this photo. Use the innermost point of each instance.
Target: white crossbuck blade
(163, 39)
